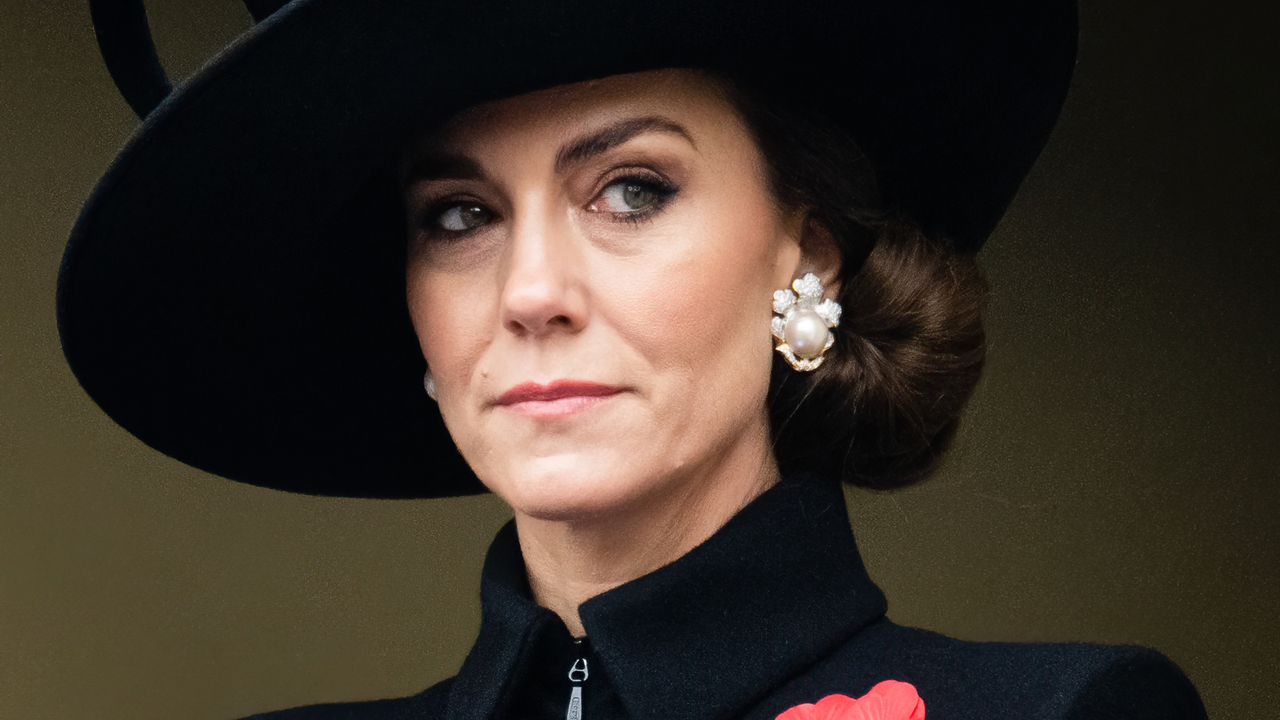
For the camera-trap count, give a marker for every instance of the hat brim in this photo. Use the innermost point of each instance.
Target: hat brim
(233, 291)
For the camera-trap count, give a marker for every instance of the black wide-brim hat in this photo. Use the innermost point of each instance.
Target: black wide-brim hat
(233, 293)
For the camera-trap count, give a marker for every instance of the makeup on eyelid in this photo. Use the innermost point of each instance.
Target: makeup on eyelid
(467, 214)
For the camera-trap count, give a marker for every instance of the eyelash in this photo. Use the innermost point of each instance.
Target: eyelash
(663, 189)
(429, 219)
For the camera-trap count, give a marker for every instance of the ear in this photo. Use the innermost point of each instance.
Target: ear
(819, 255)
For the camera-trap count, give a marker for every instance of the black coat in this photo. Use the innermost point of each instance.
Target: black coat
(772, 611)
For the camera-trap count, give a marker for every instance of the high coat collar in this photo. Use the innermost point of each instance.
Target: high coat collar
(779, 586)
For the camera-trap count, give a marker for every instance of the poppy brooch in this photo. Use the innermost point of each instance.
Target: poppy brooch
(888, 700)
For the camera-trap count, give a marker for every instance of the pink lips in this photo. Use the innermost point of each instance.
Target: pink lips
(560, 397)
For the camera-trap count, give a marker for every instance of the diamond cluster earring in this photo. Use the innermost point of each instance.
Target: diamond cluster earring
(804, 328)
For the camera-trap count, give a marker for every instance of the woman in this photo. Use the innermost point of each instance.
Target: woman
(601, 242)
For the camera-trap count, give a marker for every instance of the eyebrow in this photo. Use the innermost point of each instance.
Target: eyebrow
(443, 166)
(614, 135)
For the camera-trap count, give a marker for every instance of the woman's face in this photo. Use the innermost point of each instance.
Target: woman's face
(590, 275)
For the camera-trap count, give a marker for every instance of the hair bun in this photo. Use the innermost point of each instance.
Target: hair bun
(886, 404)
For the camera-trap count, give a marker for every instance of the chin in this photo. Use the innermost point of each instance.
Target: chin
(567, 487)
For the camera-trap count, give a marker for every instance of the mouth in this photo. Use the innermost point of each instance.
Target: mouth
(557, 398)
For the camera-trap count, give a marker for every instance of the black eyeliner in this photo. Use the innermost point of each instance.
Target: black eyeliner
(663, 189)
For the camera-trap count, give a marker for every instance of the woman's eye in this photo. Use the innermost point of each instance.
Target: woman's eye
(632, 196)
(462, 217)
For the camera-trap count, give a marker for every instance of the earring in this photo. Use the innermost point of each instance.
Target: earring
(804, 328)
(429, 385)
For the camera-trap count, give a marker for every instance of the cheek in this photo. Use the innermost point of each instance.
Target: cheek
(447, 321)
(701, 311)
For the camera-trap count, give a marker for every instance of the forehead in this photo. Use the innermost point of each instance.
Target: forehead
(696, 101)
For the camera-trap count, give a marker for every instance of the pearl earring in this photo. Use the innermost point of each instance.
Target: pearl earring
(803, 330)
(429, 385)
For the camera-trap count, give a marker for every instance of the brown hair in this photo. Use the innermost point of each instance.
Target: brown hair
(886, 402)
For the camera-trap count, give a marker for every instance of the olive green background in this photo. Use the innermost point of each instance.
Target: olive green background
(1115, 479)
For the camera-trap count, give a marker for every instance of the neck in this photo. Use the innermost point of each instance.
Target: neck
(570, 561)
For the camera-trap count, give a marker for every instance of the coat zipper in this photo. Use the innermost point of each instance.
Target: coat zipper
(577, 676)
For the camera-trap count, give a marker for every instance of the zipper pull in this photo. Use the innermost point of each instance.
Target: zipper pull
(577, 675)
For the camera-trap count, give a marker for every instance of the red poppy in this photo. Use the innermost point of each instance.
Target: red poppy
(888, 700)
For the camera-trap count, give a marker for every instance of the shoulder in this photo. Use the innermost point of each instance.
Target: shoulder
(1141, 683)
(990, 680)
(1050, 680)
(426, 705)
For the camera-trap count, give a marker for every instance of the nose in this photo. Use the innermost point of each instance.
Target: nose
(543, 292)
